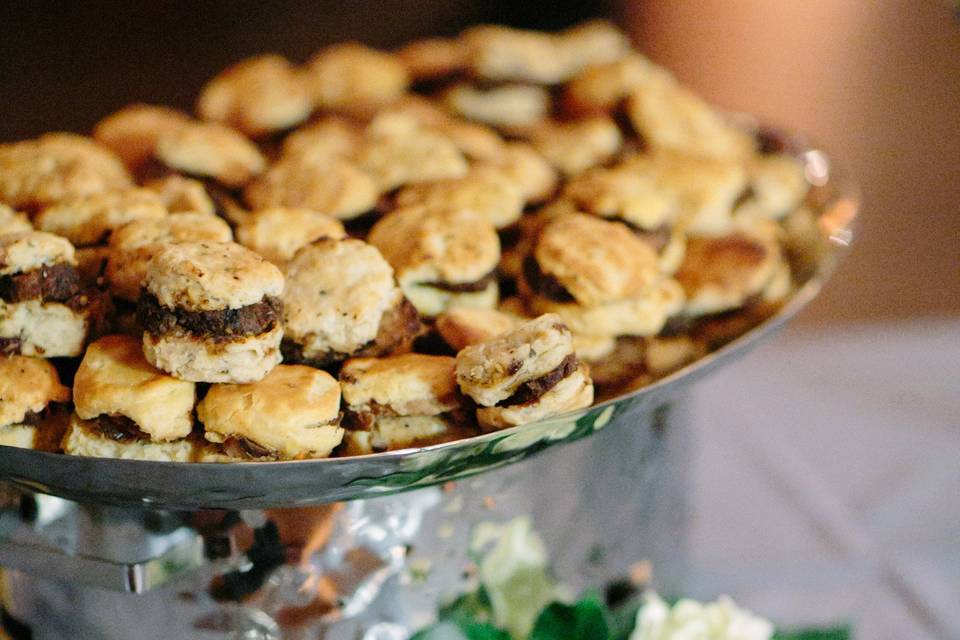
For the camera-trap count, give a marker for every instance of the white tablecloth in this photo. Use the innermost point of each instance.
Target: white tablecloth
(827, 480)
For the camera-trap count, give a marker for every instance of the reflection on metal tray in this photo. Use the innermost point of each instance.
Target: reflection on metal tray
(299, 483)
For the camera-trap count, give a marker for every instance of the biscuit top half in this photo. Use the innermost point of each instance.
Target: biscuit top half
(491, 371)
(115, 379)
(211, 276)
(407, 385)
(29, 250)
(27, 385)
(595, 260)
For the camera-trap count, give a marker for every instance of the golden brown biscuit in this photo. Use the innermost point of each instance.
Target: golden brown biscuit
(211, 276)
(594, 261)
(133, 131)
(390, 433)
(575, 146)
(526, 168)
(705, 189)
(398, 150)
(778, 186)
(134, 245)
(257, 96)
(723, 273)
(341, 300)
(277, 233)
(645, 315)
(326, 139)
(27, 386)
(352, 78)
(412, 384)
(26, 251)
(332, 186)
(13, 222)
(664, 355)
(210, 150)
(601, 88)
(625, 193)
(83, 438)
(501, 53)
(462, 326)
(211, 312)
(291, 414)
(573, 391)
(442, 258)
(433, 58)
(671, 118)
(508, 105)
(36, 173)
(182, 195)
(476, 141)
(489, 193)
(89, 220)
(492, 371)
(115, 381)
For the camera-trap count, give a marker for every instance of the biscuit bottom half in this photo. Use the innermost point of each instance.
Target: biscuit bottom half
(388, 433)
(84, 439)
(574, 391)
(47, 329)
(239, 359)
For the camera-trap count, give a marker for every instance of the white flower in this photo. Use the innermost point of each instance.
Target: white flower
(514, 574)
(692, 620)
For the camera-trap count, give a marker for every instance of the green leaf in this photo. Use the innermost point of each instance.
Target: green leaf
(581, 621)
(468, 608)
(834, 633)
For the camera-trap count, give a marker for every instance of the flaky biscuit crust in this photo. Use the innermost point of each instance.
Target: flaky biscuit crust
(332, 186)
(596, 261)
(115, 378)
(491, 371)
(133, 131)
(492, 194)
(432, 245)
(411, 384)
(240, 360)
(28, 250)
(211, 150)
(36, 173)
(573, 392)
(135, 244)
(336, 296)
(292, 411)
(461, 327)
(389, 433)
(257, 95)
(509, 105)
(81, 439)
(209, 276)
(577, 145)
(27, 385)
(46, 329)
(355, 79)
(89, 220)
(276, 233)
(13, 222)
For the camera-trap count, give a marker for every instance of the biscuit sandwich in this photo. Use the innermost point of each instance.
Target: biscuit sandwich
(31, 399)
(409, 400)
(126, 408)
(341, 300)
(524, 375)
(442, 258)
(290, 414)
(211, 312)
(43, 311)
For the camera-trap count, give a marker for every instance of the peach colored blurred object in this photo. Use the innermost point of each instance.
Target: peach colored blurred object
(878, 84)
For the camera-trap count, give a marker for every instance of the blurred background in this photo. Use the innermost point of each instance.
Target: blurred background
(828, 488)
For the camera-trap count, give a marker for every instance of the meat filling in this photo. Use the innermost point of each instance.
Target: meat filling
(397, 325)
(250, 320)
(464, 287)
(544, 284)
(118, 428)
(532, 390)
(238, 447)
(10, 346)
(57, 283)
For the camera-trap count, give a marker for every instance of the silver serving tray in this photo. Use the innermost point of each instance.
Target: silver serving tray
(257, 485)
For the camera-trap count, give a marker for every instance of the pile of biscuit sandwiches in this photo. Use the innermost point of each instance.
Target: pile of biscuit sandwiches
(377, 250)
